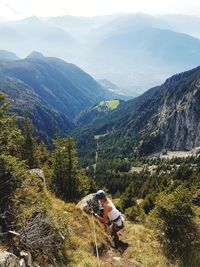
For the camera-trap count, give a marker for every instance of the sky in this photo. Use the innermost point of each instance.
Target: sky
(17, 9)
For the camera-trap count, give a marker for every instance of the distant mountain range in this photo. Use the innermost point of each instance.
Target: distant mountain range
(53, 91)
(7, 56)
(134, 51)
(115, 89)
(166, 116)
(60, 97)
(32, 34)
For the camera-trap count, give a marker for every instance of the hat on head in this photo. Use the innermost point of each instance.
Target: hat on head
(100, 194)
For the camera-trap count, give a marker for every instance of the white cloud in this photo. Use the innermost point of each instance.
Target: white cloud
(24, 8)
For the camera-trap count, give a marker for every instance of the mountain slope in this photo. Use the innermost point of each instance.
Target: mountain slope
(166, 116)
(52, 91)
(115, 89)
(183, 23)
(97, 111)
(128, 23)
(154, 45)
(64, 86)
(46, 120)
(134, 51)
(31, 33)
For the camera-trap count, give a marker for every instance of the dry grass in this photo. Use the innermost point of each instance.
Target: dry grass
(74, 241)
(76, 249)
(143, 249)
(80, 247)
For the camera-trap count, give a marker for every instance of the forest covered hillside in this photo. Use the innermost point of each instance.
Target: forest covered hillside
(165, 117)
(39, 190)
(51, 90)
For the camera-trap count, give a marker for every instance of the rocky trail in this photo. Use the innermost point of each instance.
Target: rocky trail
(120, 256)
(139, 248)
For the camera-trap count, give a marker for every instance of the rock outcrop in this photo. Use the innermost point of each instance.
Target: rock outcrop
(89, 203)
(165, 117)
(173, 111)
(8, 260)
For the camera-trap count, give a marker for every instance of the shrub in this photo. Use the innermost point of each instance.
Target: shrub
(173, 218)
(135, 214)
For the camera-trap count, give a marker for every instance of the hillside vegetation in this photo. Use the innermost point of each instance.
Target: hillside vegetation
(51, 90)
(97, 111)
(164, 117)
(53, 231)
(161, 202)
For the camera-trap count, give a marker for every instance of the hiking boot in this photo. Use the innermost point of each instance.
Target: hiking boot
(114, 242)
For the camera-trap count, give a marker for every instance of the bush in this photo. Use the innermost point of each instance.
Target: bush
(173, 218)
(148, 203)
(135, 214)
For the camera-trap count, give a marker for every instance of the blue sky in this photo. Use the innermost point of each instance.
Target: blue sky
(14, 9)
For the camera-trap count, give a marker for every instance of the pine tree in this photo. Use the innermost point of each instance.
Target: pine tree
(29, 146)
(65, 168)
(10, 135)
(70, 182)
(11, 166)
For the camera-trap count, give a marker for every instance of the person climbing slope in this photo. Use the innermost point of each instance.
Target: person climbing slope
(111, 215)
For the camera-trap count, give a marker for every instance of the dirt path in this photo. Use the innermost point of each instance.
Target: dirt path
(120, 257)
(142, 249)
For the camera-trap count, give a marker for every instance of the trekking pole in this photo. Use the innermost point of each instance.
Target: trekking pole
(95, 239)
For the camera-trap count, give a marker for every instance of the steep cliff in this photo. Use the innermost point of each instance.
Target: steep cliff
(166, 116)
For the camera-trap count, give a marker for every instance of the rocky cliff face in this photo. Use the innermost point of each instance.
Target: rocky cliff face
(166, 116)
(178, 116)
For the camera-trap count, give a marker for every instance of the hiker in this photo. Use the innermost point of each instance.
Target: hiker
(110, 215)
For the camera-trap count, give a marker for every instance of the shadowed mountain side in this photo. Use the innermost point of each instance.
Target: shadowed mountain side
(46, 120)
(64, 86)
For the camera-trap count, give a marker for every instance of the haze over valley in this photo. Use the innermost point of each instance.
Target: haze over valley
(133, 51)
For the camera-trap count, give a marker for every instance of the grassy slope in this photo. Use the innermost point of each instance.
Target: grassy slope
(76, 247)
(111, 104)
(73, 240)
(143, 250)
(81, 240)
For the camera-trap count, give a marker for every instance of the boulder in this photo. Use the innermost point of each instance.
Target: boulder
(8, 260)
(89, 203)
(39, 173)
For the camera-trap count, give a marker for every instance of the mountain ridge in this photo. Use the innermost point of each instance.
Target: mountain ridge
(165, 116)
(80, 40)
(51, 90)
